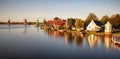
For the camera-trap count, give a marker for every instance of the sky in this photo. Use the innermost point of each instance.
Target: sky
(18, 10)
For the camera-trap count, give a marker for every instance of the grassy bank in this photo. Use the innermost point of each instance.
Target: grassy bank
(116, 32)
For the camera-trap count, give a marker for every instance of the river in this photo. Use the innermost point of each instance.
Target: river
(29, 42)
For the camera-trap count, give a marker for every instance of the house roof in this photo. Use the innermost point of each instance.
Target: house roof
(94, 25)
(60, 23)
(51, 22)
(98, 23)
(108, 24)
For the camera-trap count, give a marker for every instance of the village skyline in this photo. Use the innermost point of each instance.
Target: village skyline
(17, 10)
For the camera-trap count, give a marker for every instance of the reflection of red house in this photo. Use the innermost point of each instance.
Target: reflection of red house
(58, 34)
(50, 32)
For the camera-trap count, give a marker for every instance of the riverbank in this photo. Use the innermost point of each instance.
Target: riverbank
(15, 23)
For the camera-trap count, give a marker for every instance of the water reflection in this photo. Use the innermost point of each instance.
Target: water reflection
(25, 30)
(9, 27)
(107, 41)
(78, 38)
(69, 37)
(116, 46)
(92, 39)
(55, 33)
(38, 43)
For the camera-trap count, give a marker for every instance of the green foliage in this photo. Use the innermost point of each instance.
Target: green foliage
(79, 23)
(91, 17)
(73, 21)
(115, 20)
(56, 19)
(69, 23)
(45, 22)
(105, 19)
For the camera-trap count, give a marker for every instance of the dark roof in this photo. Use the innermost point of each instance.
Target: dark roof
(98, 23)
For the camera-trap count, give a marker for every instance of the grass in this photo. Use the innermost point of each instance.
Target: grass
(116, 32)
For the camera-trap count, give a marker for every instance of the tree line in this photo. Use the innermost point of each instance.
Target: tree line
(114, 19)
(78, 22)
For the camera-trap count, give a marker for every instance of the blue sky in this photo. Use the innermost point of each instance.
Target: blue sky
(17, 10)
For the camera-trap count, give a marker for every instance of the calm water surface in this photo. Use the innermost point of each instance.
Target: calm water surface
(28, 42)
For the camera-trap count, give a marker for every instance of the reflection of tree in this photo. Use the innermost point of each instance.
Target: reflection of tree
(50, 32)
(55, 33)
(91, 17)
(78, 38)
(58, 34)
(68, 37)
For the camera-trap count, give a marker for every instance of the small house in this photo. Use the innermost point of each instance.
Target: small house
(56, 25)
(94, 26)
(60, 24)
(108, 28)
(50, 24)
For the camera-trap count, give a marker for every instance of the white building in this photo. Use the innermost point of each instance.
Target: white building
(94, 26)
(108, 27)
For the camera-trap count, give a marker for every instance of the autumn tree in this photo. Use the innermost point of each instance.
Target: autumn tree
(105, 19)
(56, 19)
(115, 21)
(73, 22)
(90, 17)
(69, 23)
(45, 22)
(78, 24)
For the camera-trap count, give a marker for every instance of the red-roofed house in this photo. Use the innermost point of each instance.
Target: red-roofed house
(56, 24)
(60, 24)
(51, 24)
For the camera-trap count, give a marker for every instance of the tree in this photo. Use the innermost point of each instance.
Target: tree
(69, 23)
(45, 22)
(90, 17)
(73, 21)
(118, 16)
(115, 21)
(57, 19)
(105, 19)
(79, 23)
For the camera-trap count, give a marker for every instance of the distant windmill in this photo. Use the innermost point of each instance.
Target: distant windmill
(25, 21)
(37, 22)
(9, 21)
